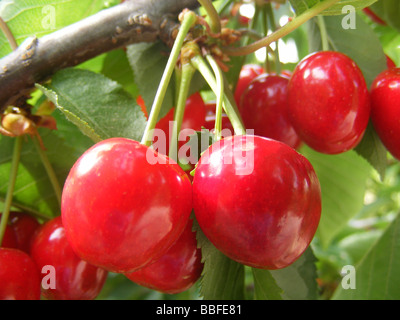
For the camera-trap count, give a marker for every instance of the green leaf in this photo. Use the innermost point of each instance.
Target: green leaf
(376, 275)
(148, 61)
(343, 183)
(33, 190)
(27, 18)
(265, 286)
(97, 105)
(389, 11)
(372, 149)
(301, 6)
(222, 278)
(116, 67)
(298, 281)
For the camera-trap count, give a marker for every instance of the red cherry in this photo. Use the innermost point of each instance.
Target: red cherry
(124, 204)
(390, 63)
(19, 276)
(257, 200)
(75, 279)
(264, 108)
(177, 270)
(9, 238)
(24, 227)
(385, 112)
(247, 74)
(329, 103)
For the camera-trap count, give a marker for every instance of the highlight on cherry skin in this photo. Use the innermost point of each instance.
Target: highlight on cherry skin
(139, 211)
(270, 208)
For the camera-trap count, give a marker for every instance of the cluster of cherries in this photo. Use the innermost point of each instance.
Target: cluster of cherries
(253, 196)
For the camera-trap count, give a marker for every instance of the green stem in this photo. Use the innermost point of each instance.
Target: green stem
(280, 33)
(219, 96)
(324, 34)
(187, 23)
(215, 23)
(231, 110)
(271, 17)
(11, 185)
(49, 169)
(186, 78)
(7, 32)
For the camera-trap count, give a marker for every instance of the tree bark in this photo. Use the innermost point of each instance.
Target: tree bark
(36, 60)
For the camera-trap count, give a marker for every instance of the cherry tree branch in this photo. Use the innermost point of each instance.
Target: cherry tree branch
(36, 60)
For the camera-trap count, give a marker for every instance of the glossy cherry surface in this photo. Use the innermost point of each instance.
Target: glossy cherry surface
(385, 113)
(74, 278)
(329, 103)
(247, 74)
(124, 205)
(177, 270)
(19, 276)
(264, 108)
(257, 200)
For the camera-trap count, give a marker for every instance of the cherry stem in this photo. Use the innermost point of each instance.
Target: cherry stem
(184, 86)
(215, 23)
(7, 32)
(219, 96)
(188, 21)
(11, 185)
(49, 169)
(324, 34)
(229, 106)
(271, 17)
(283, 31)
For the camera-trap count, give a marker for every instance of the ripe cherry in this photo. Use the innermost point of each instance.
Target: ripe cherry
(329, 103)
(390, 63)
(257, 200)
(385, 112)
(247, 74)
(9, 238)
(124, 204)
(264, 108)
(177, 270)
(19, 276)
(74, 278)
(24, 227)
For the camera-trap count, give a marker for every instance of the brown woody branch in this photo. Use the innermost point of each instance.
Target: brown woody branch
(36, 60)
